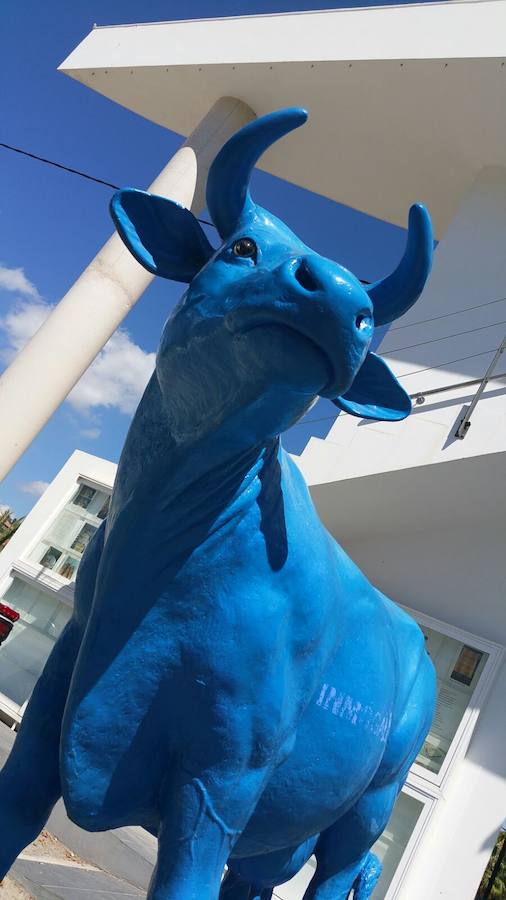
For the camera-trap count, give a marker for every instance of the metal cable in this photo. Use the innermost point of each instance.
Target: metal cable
(420, 393)
(50, 162)
(386, 351)
(449, 362)
(116, 187)
(447, 315)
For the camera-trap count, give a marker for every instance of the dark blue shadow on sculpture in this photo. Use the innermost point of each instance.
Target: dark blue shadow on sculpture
(230, 680)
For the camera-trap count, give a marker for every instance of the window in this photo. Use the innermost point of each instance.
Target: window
(398, 841)
(23, 655)
(465, 666)
(62, 547)
(84, 496)
(458, 669)
(394, 848)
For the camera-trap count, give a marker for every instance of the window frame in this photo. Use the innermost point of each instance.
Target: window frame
(429, 802)
(462, 736)
(423, 785)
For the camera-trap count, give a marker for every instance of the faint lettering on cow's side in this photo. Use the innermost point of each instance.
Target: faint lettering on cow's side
(355, 712)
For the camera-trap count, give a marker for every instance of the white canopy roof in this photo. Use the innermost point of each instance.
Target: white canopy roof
(407, 102)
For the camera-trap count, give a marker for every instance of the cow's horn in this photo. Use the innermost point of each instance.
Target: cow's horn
(228, 196)
(394, 295)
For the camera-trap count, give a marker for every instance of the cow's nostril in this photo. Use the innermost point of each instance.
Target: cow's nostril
(363, 322)
(305, 277)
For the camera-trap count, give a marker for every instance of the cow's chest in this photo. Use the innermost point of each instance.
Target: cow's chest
(234, 638)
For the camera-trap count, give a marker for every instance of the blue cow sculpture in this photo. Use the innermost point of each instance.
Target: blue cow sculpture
(229, 679)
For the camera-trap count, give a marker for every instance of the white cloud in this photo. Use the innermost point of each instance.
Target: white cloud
(116, 378)
(16, 280)
(91, 433)
(36, 488)
(26, 314)
(20, 323)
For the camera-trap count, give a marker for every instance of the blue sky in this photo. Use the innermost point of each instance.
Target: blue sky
(52, 223)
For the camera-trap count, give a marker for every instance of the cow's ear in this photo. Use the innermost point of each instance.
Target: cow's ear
(163, 236)
(375, 393)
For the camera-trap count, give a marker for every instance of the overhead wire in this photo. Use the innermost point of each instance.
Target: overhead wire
(88, 177)
(73, 171)
(116, 187)
(57, 165)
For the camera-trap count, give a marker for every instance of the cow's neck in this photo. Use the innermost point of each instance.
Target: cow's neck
(209, 479)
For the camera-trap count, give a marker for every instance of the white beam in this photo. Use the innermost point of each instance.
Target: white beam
(405, 102)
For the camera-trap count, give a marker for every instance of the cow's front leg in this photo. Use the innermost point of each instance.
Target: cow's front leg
(30, 779)
(202, 821)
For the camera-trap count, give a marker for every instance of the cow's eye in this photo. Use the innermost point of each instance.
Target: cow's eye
(246, 248)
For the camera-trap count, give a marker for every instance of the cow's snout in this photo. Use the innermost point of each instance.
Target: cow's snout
(314, 276)
(303, 275)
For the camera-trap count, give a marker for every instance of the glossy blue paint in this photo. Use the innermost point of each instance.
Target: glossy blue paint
(375, 394)
(230, 680)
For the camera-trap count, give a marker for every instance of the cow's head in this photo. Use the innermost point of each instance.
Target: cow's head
(266, 324)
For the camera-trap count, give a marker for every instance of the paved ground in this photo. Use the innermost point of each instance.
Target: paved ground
(73, 868)
(9, 890)
(69, 881)
(49, 870)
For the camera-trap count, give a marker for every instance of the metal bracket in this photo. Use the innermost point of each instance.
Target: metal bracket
(465, 422)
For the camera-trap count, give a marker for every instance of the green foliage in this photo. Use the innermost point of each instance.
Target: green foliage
(496, 891)
(8, 526)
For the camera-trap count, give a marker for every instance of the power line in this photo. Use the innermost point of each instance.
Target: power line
(56, 165)
(50, 162)
(116, 187)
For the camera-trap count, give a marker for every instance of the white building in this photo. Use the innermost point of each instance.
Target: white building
(410, 99)
(38, 569)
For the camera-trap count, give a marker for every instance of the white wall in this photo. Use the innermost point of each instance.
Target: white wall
(457, 576)
(469, 270)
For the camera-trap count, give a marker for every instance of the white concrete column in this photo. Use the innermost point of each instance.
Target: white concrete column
(46, 370)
